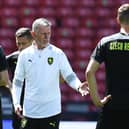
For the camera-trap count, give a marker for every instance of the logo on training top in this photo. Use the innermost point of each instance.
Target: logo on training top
(23, 122)
(50, 60)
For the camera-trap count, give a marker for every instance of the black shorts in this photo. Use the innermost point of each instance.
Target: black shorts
(42, 123)
(113, 119)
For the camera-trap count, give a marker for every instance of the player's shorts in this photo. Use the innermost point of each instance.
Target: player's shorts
(42, 123)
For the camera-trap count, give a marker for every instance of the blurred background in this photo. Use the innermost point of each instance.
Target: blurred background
(78, 25)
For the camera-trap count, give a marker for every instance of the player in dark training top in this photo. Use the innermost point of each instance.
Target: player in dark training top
(23, 40)
(113, 50)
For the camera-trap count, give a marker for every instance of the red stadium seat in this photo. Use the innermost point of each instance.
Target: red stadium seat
(9, 11)
(83, 54)
(26, 21)
(101, 88)
(89, 22)
(70, 22)
(46, 12)
(100, 75)
(105, 12)
(104, 32)
(87, 3)
(84, 12)
(65, 43)
(83, 32)
(108, 22)
(122, 1)
(106, 3)
(9, 22)
(49, 3)
(66, 32)
(65, 11)
(1, 3)
(8, 45)
(12, 3)
(81, 75)
(28, 11)
(34, 3)
(4, 32)
(69, 54)
(80, 64)
(83, 43)
(69, 3)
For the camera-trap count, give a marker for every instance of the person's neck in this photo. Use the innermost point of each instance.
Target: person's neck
(125, 29)
(41, 46)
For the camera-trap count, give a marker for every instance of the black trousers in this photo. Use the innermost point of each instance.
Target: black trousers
(41, 123)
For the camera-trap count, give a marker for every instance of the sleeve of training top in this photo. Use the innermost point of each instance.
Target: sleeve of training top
(99, 52)
(67, 72)
(18, 80)
(3, 61)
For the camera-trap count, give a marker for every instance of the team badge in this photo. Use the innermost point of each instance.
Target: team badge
(53, 124)
(50, 60)
(23, 122)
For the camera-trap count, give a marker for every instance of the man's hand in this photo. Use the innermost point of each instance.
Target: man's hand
(83, 89)
(105, 99)
(102, 102)
(18, 110)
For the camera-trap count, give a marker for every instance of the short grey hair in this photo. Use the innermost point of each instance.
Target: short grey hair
(40, 22)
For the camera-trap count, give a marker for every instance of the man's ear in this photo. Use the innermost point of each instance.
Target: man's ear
(33, 34)
(118, 21)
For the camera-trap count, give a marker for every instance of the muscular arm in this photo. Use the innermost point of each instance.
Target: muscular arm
(4, 76)
(91, 79)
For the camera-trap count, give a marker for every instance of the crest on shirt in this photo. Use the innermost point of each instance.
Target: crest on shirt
(50, 60)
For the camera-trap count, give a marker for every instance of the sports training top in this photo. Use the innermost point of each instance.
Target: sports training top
(41, 70)
(114, 52)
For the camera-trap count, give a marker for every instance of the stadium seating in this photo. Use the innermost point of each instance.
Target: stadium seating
(70, 22)
(68, 3)
(64, 11)
(77, 26)
(27, 11)
(11, 22)
(31, 3)
(46, 12)
(49, 3)
(12, 3)
(8, 11)
(26, 21)
(4, 32)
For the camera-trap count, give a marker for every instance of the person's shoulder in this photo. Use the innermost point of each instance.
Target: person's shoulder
(55, 48)
(12, 55)
(111, 37)
(27, 50)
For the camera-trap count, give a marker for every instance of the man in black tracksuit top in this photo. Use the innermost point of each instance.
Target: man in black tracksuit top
(114, 52)
(4, 78)
(23, 40)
